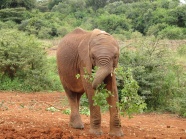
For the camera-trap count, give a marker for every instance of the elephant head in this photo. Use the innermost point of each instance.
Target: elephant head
(99, 49)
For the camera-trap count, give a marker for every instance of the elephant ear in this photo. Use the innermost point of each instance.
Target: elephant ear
(84, 47)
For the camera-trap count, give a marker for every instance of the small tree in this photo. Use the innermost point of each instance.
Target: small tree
(19, 53)
(23, 60)
(151, 64)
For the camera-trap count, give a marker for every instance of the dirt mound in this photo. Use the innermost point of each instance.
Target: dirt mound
(25, 116)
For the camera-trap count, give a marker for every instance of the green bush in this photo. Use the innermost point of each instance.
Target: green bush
(42, 25)
(88, 23)
(62, 8)
(113, 23)
(6, 83)
(62, 31)
(155, 29)
(172, 32)
(117, 7)
(28, 4)
(69, 6)
(32, 25)
(177, 103)
(117, 17)
(149, 61)
(121, 37)
(14, 14)
(48, 25)
(178, 16)
(53, 75)
(8, 24)
(17, 52)
(161, 79)
(23, 60)
(44, 33)
(129, 100)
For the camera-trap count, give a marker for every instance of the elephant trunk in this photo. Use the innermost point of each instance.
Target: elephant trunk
(101, 74)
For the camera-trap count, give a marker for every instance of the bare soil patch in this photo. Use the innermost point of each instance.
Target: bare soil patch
(24, 116)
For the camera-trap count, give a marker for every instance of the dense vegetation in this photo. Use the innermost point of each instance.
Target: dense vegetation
(53, 18)
(24, 64)
(159, 72)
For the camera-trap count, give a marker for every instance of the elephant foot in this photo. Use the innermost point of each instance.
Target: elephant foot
(77, 125)
(96, 131)
(75, 122)
(116, 132)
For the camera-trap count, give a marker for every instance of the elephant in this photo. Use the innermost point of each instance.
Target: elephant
(80, 50)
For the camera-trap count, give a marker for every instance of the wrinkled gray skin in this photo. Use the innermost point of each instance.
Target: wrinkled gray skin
(81, 50)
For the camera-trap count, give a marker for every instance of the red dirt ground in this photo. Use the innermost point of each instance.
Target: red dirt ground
(24, 116)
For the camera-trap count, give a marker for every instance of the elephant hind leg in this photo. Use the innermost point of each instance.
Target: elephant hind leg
(75, 118)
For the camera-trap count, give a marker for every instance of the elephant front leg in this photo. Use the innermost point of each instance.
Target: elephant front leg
(95, 118)
(115, 123)
(95, 113)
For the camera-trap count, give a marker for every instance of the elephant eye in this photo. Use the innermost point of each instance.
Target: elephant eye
(93, 57)
(115, 57)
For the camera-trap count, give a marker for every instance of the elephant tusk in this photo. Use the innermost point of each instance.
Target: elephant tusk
(113, 72)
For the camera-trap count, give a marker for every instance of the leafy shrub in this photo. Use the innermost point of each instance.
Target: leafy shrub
(62, 31)
(130, 102)
(53, 75)
(32, 25)
(9, 84)
(88, 23)
(8, 24)
(44, 33)
(149, 61)
(121, 37)
(43, 25)
(69, 6)
(155, 29)
(23, 59)
(52, 3)
(113, 23)
(62, 8)
(18, 52)
(177, 103)
(96, 4)
(171, 32)
(28, 4)
(117, 7)
(84, 110)
(178, 14)
(84, 100)
(135, 35)
(154, 67)
(14, 14)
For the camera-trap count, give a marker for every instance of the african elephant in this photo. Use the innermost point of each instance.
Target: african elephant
(80, 50)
